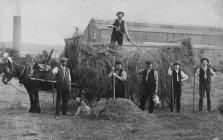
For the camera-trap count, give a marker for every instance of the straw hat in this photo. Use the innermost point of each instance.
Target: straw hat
(204, 58)
(120, 12)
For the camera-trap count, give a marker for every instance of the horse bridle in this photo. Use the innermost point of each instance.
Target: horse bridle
(9, 70)
(11, 73)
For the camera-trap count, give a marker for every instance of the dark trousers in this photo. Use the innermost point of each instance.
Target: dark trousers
(147, 92)
(62, 94)
(175, 101)
(116, 36)
(204, 86)
(120, 90)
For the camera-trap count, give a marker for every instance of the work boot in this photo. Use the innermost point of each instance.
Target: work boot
(209, 109)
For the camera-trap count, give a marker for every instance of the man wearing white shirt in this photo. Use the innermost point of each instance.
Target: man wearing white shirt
(178, 77)
(119, 30)
(149, 85)
(205, 74)
(63, 79)
(120, 77)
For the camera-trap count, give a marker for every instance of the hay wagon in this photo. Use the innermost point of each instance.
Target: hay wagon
(90, 64)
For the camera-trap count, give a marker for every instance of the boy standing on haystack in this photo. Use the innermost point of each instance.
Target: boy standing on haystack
(149, 85)
(205, 74)
(120, 77)
(63, 85)
(119, 29)
(178, 76)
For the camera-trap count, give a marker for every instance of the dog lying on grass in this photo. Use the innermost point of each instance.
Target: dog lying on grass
(83, 108)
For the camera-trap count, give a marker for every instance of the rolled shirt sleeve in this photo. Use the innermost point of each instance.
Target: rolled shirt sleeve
(169, 72)
(55, 70)
(212, 72)
(197, 72)
(69, 76)
(184, 76)
(124, 75)
(156, 76)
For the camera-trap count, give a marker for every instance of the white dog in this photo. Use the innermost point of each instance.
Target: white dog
(82, 108)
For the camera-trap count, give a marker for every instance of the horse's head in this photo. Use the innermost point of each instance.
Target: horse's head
(8, 72)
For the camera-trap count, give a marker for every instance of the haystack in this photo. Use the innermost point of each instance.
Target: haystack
(91, 63)
(116, 110)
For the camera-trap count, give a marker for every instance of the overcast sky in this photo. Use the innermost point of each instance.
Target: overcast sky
(50, 21)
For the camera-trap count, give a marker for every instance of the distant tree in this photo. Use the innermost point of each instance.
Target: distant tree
(13, 53)
(42, 58)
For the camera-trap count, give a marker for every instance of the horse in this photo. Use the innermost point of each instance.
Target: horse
(18, 71)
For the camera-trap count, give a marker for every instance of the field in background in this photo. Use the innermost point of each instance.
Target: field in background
(35, 49)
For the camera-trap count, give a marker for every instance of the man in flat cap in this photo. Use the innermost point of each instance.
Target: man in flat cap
(120, 77)
(149, 85)
(119, 29)
(63, 86)
(205, 74)
(178, 76)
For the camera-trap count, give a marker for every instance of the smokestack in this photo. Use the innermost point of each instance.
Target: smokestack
(16, 32)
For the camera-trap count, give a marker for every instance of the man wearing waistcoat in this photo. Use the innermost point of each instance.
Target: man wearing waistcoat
(119, 29)
(120, 77)
(63, 86)
(205, 74)
(149, 85)
(177, 76)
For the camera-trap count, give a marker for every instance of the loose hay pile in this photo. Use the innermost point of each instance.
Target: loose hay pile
(91, 63)
(117, 110)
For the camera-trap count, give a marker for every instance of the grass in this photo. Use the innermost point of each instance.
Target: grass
(16, 123)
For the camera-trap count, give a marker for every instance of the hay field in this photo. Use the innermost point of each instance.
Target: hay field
(18, 124)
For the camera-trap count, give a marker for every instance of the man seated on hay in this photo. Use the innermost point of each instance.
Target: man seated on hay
(149, 86)
(119, 30)
(178, 76)
(119, 76)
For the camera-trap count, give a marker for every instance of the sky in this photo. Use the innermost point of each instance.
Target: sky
(50, 21)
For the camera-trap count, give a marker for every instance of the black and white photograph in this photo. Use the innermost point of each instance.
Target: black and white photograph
(111, 69)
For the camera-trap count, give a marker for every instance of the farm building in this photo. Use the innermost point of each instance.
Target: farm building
(97, 31)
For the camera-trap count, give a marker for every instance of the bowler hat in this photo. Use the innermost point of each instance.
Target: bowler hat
(117, 62)
(176, 63)
(204, 58)
(120, 12)
(148, 63)
(63, 59)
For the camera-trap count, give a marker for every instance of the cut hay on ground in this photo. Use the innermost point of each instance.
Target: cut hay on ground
(117, 110)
